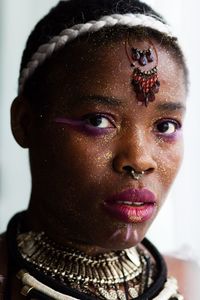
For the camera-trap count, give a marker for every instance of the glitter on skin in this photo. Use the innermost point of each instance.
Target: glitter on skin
(94, 163)
(2, 279)
(135, 234)
(115, 234)
(128, 232)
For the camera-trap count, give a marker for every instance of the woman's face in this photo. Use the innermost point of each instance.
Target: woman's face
(95, 129)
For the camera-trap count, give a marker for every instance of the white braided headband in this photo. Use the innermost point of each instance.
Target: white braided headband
(69, 34)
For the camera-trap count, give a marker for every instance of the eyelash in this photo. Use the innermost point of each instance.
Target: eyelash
(85, 124)
(176, 124)
(177, 127)
(94, 116)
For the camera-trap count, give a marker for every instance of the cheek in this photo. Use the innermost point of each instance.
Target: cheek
(81, 157)
(169, 162)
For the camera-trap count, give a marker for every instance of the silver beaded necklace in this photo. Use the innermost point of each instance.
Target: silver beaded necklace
(115, 275)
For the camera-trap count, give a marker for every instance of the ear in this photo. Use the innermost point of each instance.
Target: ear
(21, 121)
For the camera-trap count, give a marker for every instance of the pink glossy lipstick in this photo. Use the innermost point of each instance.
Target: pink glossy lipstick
(131, 206)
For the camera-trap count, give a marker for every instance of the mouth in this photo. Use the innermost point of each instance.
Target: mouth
(130, 203)
(132, 206)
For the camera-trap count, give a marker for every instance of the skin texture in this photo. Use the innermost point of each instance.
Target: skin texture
(74, 170)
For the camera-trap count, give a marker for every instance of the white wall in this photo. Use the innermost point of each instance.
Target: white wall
(178, 223)
(17, 20)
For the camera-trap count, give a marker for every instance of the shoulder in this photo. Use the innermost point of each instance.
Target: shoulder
(187, 273)
(3, 261)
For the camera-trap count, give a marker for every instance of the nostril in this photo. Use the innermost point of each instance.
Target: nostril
(128, 169)
(150, 170)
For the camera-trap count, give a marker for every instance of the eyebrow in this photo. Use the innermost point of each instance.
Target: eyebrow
(116, 102)
(99, 99)
(171, 106)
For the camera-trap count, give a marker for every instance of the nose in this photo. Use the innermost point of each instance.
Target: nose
(135, 151)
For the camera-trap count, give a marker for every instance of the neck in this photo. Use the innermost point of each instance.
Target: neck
(56, 231)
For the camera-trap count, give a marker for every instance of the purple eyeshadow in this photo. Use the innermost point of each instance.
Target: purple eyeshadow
(82, 126)
(172, 137)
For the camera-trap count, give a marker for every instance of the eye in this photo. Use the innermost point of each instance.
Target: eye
(99, 121)
(167, 127)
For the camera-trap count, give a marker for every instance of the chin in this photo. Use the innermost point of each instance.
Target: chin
(125, 237)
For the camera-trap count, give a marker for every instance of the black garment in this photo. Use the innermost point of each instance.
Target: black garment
(17, 262)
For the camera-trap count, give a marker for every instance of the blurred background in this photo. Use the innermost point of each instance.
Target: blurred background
(177, 228)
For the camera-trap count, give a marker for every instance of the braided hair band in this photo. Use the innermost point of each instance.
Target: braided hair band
(69, 34)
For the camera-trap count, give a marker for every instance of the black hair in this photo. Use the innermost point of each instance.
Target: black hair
(68, 13)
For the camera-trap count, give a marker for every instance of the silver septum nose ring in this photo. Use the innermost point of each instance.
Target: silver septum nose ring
(137, 175)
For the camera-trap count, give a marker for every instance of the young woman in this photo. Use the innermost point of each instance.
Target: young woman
(102, 95)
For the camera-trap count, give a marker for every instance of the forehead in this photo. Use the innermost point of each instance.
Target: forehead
(85, 68)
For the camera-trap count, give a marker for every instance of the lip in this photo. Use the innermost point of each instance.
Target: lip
(132, 206)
